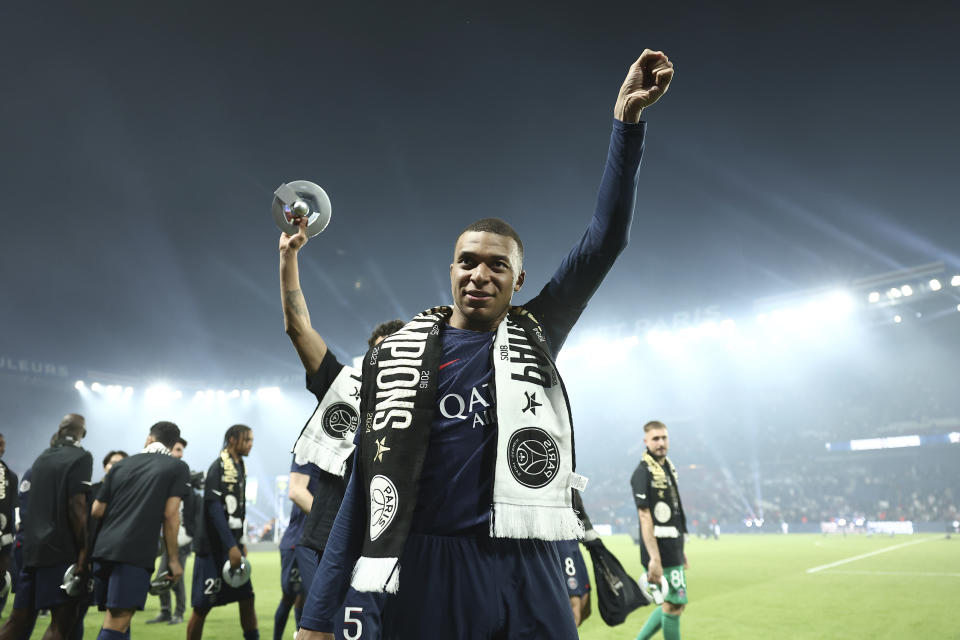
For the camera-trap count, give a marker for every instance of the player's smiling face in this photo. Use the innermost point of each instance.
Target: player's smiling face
(658, 442)
(485, 273)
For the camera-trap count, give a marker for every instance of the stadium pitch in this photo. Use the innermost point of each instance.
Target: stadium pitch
(740, 586)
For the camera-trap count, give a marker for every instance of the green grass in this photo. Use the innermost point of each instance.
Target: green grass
(739, 587)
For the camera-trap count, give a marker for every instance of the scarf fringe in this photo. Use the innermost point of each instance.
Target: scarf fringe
(542, 522)
(376, 574)
(307, 451)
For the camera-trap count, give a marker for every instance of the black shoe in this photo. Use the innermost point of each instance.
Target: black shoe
(164, 616)
(176, 620)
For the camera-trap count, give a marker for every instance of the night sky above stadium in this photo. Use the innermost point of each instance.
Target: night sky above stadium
(799, 146)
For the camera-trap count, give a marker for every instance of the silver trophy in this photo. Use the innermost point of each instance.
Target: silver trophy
(301, 199)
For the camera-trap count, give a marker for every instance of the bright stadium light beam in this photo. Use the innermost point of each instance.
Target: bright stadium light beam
(161, 393)
(935, 285)
(79, 386)
(269, 393)
(955, 281)
(897, 319)
(906, 290)
(97, 387)
(874, 296)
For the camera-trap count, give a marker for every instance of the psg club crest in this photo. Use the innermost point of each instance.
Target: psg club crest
(533, 457)
(383, 505)
(339, 419)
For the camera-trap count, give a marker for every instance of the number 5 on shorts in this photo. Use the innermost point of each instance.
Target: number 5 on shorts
(348, 613)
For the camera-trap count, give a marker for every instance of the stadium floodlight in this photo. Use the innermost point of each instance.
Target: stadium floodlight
(78, 385)
(97, 387)
(897, 319)
(268, 393)
(935, 285)
(874, 296)
(958, 307)
(954, 437)
(161, 392)
(128, 391)
(906, 290)
(894, 293)
(955, 281)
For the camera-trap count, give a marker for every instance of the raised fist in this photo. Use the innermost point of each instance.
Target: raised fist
(646, 81)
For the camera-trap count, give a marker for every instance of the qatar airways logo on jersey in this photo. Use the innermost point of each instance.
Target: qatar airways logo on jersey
(400, 375)
(475, 409)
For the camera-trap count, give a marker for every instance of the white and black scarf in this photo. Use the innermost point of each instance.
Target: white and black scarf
(156, 447)
(535, 463)
(327, 438)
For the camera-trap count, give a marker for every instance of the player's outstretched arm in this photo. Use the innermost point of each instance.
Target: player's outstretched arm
(296, 318)
(647, 80)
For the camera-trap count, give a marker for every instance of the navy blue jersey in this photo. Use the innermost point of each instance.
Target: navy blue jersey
(456, 483)
(297, 515)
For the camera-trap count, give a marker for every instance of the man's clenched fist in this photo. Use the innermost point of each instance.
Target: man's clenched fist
(647, 80)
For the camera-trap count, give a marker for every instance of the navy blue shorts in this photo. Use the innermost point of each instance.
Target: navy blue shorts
(307, 562)
(39, 588)
(360, 616)
(120, 586)
(574, 569)
(291, 580)
(476, 588)
(209, 589)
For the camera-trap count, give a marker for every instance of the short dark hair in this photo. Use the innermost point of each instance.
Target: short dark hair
(182, 441)
(653, 424)
(235, 431)
(497, 226)
(384, 329)
(106, 458)
(166, 433)
(72, 426)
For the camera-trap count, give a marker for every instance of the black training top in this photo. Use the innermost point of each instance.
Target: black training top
(659, 493)
(136, 492)
(8, 505)
(329, 487)
(60, 472)
(221, 522)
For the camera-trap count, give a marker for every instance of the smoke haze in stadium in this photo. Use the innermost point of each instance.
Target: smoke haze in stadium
(800, 146)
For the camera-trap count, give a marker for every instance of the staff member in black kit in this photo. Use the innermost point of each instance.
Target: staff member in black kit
(220, 537)
(55, 534)
(8, 506)
(138, 494)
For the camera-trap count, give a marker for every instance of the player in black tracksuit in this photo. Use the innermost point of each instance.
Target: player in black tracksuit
(220, 537)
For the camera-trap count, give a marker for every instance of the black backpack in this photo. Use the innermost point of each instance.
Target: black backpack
(618, 594)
